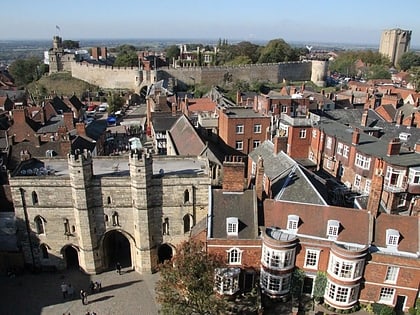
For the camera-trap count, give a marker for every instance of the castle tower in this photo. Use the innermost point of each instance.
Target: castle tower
(394, 43)
(141, 171)
(319, 72)
(81, 175)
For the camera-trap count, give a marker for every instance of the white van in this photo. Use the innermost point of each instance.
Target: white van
(103, 107)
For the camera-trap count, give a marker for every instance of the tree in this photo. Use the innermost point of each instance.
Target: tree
(277, 50)
(186, 282)
(115, 103)
(319, 286)
(408, 60)
(172, 52)
(127, 59)
(297, 283)
(378, 72)
(70, 44)
(24, 71)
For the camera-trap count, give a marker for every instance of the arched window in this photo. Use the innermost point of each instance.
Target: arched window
(44, 251)
(34, 198)
(234, 256)
(108, 200)
(115, 219)
(66, 226)
(165, 227)
(106, 218)
(187, 223)
(39, 224)
(186, 196)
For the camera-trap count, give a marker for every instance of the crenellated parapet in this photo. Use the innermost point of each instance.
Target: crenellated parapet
(79, 156)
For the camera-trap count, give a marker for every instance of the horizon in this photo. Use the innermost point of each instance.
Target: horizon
(362, 22)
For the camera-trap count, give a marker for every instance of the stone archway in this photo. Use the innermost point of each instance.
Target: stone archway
(71, 257)
(116, 248)
(165, 252)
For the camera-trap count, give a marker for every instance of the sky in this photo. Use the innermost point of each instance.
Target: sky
(307, 21)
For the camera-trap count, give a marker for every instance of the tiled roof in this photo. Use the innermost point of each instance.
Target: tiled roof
(185, 137)
(239, 205)
(163, 121)
(201, 105)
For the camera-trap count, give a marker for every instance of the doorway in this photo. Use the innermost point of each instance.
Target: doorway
(116, 249)
(71, 257)
(164, 253)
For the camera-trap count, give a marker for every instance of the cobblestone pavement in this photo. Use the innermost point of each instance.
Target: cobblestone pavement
(128, 293)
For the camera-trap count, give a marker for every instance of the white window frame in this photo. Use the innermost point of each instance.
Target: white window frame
(340, 294)
(292, 223)
(314, 133)
(256, 144)
(226, 280)
(328, 143)
(392, 238)
(340, 148)
(414, 176)
(368, 183)
(333, 228)
(394, 177)
(302, 133)
(392, 274)
(234, 256)
(345, 269)
(277, 259)
(257, 128)
(274, 284)
(362, 161)
(402, 200)
(239, 145)
(346, 150)
(386, 296)
(284, 108)
(239, 129)
(312, 258)
(232, 226)
(357, 180)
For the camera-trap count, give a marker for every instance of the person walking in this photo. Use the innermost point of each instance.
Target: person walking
(83, 297)
(64, 289)
(70, 291)
(118, 268)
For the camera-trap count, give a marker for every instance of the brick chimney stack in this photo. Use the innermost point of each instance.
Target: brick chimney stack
(233, 174)
(80, 129)
(259, 175)
(280, 144)
(68, 120)
(417, 147)
(364, 118)
(19, 115)
(356, 137)
(376, 185)
(394, 147)
(238, 98)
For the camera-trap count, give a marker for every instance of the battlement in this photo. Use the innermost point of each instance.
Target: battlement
(79, 156)
(140, 155)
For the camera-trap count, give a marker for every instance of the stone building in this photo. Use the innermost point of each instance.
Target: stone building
(58, 58)
(394, 43)
(93, 212)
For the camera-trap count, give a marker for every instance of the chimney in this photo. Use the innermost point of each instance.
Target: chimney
(174, 107)
(233, 174)
(394, 147)
(259, 175)
(303, 87)
(364, 118)
(376, 185)
(80, 129)
(19, 116)
(25, 155)
(356, 137)
(417, 147)
(238, 98)
(68, 120)
(280, 144)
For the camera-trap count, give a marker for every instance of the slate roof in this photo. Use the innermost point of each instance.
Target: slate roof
(163, 121)
(59, 105)
(313, 220)
(185, 137)
(52, 125)
(240, 205)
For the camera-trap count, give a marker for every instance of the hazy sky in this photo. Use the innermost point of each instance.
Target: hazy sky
(352, 21)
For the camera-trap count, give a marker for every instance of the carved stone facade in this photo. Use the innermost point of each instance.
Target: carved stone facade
(94, 213)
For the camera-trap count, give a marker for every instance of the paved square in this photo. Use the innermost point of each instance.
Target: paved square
(128, 293)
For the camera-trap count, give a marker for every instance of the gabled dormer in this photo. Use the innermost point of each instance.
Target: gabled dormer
(232, 226)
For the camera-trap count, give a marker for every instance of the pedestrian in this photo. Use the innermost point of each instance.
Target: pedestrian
(64, 290)
(118, 268)
(98, 286)
(83, 297)
(70, 291)
(92, 287)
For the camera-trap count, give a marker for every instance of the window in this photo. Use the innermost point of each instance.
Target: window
(165, 226)
(227, 280)
(278, 259)
(256, 144)
(284, 108)
(312, 258)
(44, 251)
(394, 177)
(240, 129)
(275, 284)
(239, 145)
(292, 222)
(302, 133)
(328, 145)
(414, 176)
(346, 151)
(234, 256)
(66, 227)
(108, 200)
(332, 228)
(339, 148)
(115, 219)
(34, 198)
(392, 237)
(402, 200)
(357, 180)
(314, 133)
(341, 294)
(392, 274)
(232, 226)
(186, 196)
(257, 128)
(362, 161)
(347, 269)
(387, 295)
(187, 223)
(39, 224)
(367, 186)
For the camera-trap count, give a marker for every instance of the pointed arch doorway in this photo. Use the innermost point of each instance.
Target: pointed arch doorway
(71, 257)
(165, 252)
(116, 247)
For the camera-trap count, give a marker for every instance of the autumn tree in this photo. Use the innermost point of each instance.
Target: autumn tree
(186, 282)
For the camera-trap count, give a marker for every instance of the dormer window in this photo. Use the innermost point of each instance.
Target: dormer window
(392, 237)
(232, 224)
(333, 228)
(292, 223)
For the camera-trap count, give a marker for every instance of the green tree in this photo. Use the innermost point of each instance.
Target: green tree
(415, 77)
(408, 60)
(127, 59)
(277, 50)
(172, 52)
(378, 72)
(115, 103)
(70, 44)
(297, 283)
(319, 286)
(239, 60)
(24, 71)
(186, 282)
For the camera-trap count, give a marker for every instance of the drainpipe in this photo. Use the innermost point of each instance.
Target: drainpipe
(28, 229)
(210, 215)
